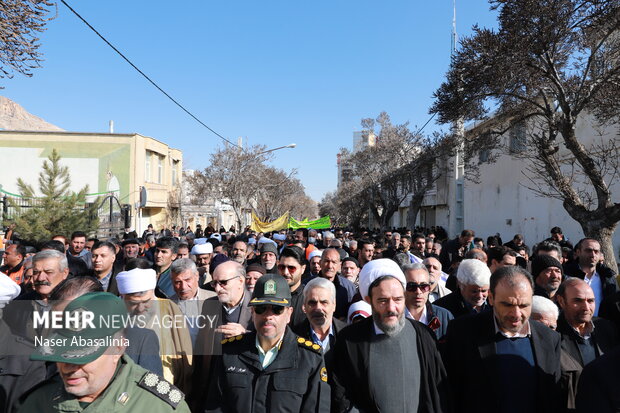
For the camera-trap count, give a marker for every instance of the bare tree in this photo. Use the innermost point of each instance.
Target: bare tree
(380, 177)
(278, 193)
(549, 64)
(240, 178)
(20, 23)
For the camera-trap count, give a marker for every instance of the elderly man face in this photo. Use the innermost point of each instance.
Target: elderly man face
(512, 304)
(131, 250)
(550, 279)
(387, 301)
(185, 284)
(251, 277)
(319, 306)
(268, 259)
(228, 283)
(577, 304)
(434, 268)
(436, 248)
(46, 275)
(350, 271)
(239, 252)
(546, 318)
(330, 264)
(417, 289)
(474, 295)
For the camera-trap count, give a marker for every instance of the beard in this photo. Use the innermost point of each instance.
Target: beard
(390, 330)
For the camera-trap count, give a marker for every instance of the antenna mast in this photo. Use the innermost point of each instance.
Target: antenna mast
(454, 35)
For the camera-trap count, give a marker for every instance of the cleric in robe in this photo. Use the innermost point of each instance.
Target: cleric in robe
(387, 362)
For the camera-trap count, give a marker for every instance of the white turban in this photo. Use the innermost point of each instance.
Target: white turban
(279, 237)
(265, 240)
(136, 280)
(217, 236)
(202, 249)
(199, 241)
(252, 241)
(359, 308)
(314, 253)
(377, 268)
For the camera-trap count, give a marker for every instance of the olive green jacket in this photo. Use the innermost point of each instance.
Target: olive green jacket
(133, 389)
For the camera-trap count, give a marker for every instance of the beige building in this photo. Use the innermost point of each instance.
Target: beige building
(124, 166)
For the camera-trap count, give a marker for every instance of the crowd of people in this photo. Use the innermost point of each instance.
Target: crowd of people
(310, 321)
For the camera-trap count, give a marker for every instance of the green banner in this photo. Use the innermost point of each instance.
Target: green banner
(321, 223)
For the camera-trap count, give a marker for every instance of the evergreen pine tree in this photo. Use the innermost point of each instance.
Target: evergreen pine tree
(59, 211)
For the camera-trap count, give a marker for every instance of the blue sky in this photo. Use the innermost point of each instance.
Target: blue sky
(273, 72)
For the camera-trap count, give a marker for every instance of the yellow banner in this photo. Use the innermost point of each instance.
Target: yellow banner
(278, 224)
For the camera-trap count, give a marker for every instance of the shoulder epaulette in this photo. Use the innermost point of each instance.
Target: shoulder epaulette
(161, 388)
(307, 344)
(231, 339)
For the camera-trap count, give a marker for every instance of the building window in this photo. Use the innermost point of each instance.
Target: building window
(160, 169)
(483, 155)
(147, 167)
(517, 138)
(175, 167)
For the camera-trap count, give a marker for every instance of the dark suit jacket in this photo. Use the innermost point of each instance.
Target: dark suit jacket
(608, 276)
(605, 338)
(349, 380)
(303, 330)
(208, 345)
(599, 384)
(454, 303)
(470, 354)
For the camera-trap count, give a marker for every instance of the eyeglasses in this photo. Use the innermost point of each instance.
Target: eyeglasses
(275, 309)
(222, 283)
(424, 287)
(291, 268)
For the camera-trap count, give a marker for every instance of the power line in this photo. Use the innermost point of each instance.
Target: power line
(423, 126)
(146, 77)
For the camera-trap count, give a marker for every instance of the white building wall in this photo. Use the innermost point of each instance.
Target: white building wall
(501, 203)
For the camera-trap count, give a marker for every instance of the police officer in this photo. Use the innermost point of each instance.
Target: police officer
(93, 373)
(270, 369)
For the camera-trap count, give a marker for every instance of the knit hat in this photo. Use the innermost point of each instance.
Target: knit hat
(542, 262)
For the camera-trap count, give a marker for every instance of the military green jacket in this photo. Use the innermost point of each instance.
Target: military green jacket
(133, 389)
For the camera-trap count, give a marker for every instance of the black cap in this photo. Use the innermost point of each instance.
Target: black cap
(130, 241)
(271, 289)
(542, 262)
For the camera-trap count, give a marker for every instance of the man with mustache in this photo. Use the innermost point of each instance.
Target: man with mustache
(584, 337)
(387, 362)
(270, 369)
(320, 326)
(50, 268)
